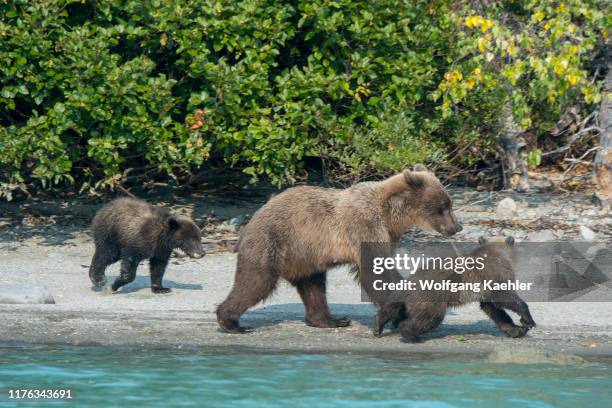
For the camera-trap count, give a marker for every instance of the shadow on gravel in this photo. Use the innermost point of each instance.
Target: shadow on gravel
(143, 282)
(271, 315)
(362, 313)
(450, 329)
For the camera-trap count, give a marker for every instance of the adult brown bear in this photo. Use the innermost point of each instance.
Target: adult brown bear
(304, 231)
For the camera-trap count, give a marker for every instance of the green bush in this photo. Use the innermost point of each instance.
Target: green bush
(90, 89)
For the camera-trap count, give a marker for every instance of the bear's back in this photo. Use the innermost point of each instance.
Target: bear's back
(122, 219)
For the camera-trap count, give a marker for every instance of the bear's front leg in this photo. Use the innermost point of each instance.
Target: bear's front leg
(409, 331)
(394, 312)
(512, 301)
(502, 320)
(101, 259)
(158, 268)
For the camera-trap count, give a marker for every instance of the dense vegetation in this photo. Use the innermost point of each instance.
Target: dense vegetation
(93, 90)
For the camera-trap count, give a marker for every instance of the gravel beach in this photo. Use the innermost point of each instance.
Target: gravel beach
(56, 251)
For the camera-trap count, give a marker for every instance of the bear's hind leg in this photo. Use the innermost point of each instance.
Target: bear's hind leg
(252, 284)
(127, 274)
(312, 292)
(421, 318)
(410, 331)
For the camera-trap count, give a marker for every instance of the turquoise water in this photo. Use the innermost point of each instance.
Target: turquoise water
(105, 377)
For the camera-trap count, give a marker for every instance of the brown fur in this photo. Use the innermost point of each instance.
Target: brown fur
(133, 230)
(422, 310)
(304, 231)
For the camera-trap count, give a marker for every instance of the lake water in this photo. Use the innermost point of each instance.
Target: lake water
(105, 377)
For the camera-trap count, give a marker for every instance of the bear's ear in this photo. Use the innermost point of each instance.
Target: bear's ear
(482, 240)
(173, 223)
(419, 167)
(510, 241)
(414, 181)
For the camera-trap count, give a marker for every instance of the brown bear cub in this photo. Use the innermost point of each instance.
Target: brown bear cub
(423, 310)
(133, 230)
(304, 231)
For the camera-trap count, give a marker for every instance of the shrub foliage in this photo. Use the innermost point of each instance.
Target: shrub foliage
(89, 89)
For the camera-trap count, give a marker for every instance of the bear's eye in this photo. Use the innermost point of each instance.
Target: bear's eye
(440, 211)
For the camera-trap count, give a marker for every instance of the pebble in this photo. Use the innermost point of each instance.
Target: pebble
(237, 221)
(472, 233)
(541, 236)
(587, 234)
(234, 224)
(506, 208)
(516, 234)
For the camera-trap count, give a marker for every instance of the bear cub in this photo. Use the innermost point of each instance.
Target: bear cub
(421, 311)
(132, 230)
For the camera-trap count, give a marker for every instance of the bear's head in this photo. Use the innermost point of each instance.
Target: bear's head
(422, 200)
(184, 234)
(498, 249)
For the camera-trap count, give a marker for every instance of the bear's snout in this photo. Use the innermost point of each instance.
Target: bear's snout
(452, 226)
(450, 230)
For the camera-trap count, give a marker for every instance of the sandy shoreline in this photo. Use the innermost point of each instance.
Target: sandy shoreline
(185, 318)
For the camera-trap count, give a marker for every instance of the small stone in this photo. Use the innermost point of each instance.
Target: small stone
(233, 224)
(237, 221)
(506, 208)
(541, 236)
(587, 234)
(471, 234)
(516, 234)
(25, 294)
(559, 233)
